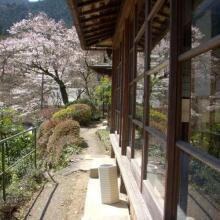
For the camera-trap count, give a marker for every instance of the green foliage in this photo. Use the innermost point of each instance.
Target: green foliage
(157, 116)
(158, 120)
(19, 180)
(205, 180)
(103, 135)
(79, 112)
(63, 114)
(67, 152)
(157, 154)
(103, 91)
(90, 102)
(208, 139)
(10, 122)
(62, 140)
(96, 114)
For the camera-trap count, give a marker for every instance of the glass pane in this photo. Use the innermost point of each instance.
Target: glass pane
(205, 102)
(159, 100)
(131, 98)
(131, 65)
(138, 144)
(199, 190)
(139, 106)
(140, 61)
(156, 168)
(206, 20)
(161, 51)
(129, 132)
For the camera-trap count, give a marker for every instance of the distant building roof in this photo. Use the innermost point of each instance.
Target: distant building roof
(102, 68)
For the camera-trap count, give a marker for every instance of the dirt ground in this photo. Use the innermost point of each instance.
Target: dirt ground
(64, 198)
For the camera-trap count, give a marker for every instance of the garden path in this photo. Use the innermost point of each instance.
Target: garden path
(64, 198)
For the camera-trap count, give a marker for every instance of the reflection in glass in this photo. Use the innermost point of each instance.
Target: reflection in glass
(161, 51)
(131, 65)
(206, 21)
(131, 88)
(138, 144)
(205, 102)
(156, 168)
(130, 132)
(159, 100)
(139, 103)
(199, 190)
(140, 62)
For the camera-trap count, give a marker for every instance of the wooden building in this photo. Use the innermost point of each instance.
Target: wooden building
(165, 120)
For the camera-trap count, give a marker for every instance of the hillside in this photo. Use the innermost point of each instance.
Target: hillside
(12, 11)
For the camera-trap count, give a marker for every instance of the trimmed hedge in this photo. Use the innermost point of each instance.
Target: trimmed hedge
(96, 114)
(44, 132)
(65, 133)
(63, 114)
(79, 112)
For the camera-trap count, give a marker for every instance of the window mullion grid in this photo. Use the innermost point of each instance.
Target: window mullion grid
(146, 90)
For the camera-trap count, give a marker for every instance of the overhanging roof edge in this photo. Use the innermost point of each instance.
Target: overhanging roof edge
(74, 12)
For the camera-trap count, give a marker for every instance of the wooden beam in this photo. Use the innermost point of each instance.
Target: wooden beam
(140, 33)
(200, 155)
(99, 35)
(73, 6)
(88, 43)
(97, 30)
(213, 43)
(100, 9)
(104, 16)
(156, 8)
(125, 10)
(89, 2)
(98, 24)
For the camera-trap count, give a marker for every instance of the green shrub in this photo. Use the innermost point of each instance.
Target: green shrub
(67, 152)
(104, 90)
(66, 113)
(103, 135)
(90, 102)
(157, 116)
(96, 114)
(10, 122)
(158, 120)
(79, 112)
(66, 127)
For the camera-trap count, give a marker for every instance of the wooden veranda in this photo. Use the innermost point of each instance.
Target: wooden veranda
(165, 113)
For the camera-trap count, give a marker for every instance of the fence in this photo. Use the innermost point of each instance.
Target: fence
(4, 145)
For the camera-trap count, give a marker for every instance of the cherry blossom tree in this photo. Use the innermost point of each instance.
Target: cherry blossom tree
(39, 45)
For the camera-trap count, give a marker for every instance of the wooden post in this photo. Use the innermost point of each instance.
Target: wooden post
(146, 90)
(112, 129)
(174, 112)
(125, 101)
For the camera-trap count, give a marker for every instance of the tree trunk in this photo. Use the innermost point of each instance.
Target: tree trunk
(63, 92)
